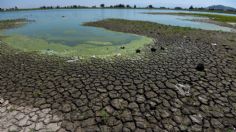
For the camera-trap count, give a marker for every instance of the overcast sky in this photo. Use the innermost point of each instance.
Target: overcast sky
(155, 3)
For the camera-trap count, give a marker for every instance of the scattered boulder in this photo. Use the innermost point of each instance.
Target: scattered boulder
(162, 48)
(138, 50)
(153, 49)
(122, 47)
(200, 67)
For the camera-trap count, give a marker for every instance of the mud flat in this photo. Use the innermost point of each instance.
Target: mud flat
(221, 20)
(161, 91)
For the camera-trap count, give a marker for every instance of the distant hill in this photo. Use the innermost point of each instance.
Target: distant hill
(221, 7)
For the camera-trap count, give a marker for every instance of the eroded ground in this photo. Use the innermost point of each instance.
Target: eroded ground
(48, 94)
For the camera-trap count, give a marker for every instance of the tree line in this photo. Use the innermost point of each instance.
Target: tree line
(110, 6)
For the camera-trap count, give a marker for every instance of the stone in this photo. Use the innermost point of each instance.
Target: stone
(153, 49)
(122, 47)
(200, 67)
(138, 50)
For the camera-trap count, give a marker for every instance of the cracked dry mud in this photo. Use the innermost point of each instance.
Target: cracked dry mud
(47, 94)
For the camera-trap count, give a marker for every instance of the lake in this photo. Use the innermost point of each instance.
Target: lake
(61, 31)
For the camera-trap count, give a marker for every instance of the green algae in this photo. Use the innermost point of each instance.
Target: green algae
(88, 49)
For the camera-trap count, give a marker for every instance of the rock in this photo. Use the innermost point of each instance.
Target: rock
(162, 48)
(200, 67)
(119, 104)
(122, 47)
(138, 50)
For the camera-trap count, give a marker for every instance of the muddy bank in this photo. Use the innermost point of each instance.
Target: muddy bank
(221, 20)
(161, 91)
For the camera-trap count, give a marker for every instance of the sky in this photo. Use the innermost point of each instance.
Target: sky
(142, 3)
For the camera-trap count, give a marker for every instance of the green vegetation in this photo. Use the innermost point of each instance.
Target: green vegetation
(6, 24)
(104, 115)
(98, 49)
(215, 17)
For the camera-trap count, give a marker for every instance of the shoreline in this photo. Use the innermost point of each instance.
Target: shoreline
(221, 20)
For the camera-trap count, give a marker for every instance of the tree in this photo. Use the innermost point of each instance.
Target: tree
(128, 6)
(135, 6)
(16, 8)
(74, 6)
(191, 7)
(150, 6)
(102, 5)
(178, 8)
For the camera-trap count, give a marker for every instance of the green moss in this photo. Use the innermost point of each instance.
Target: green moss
(104, 115)
(89, 49)
(6, 24)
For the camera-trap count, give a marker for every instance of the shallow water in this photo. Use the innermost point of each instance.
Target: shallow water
(64, 27)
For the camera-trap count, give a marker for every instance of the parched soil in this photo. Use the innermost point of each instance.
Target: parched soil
(40, 93)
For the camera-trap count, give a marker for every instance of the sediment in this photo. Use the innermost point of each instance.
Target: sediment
(43, 93)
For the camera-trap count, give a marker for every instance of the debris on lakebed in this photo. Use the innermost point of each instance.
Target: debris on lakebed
(183, 89)
(73, 59)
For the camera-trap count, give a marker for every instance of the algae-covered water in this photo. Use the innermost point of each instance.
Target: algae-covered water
(62, 32)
